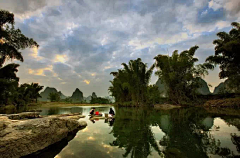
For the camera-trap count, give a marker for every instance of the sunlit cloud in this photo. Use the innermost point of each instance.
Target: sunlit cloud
(40, 72)
(87, 81)
(91, 138)
(93, 74)
(61, 58)
(35, 53)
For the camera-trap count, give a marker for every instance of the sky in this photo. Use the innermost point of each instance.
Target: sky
(82, 41)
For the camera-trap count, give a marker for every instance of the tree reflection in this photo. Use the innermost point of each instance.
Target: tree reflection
(187, 133)
(132, 130)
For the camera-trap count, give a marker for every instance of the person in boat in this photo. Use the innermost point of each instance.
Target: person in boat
(92, 111)
(111, 112)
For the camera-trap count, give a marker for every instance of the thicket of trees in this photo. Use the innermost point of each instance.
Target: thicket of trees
(54, 97)
(130, 84)
(227, 56)
(100, 100)
(11, 42)
(179, 73)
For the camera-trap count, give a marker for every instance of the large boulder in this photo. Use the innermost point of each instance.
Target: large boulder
(77, 96)
(24, 115)
(20, 138)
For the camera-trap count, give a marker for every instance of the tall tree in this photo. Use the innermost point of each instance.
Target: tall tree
(11, 42)
(227, 55)
(180, 74)
(131, 82)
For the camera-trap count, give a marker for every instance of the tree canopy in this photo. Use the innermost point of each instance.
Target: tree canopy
(130, 83)
(180, 74)
(11, 42)
(227, 55)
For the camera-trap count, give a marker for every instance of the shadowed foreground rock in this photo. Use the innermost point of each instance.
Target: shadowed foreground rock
(23, 137)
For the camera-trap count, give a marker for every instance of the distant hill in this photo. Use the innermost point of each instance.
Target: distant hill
(88, 99)
(94, 95)
(161, 88)
(223, 87)
(204, 89)
(110, 98)
(47, 91)
(218, 89)
(77, 96)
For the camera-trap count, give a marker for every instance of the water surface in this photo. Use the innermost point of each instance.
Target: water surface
(141, 133)
(149, 133)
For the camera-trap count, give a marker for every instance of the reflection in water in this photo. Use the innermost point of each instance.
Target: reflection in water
(137, 133)
(133, 132)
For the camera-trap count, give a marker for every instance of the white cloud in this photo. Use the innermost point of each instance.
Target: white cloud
(85, 40)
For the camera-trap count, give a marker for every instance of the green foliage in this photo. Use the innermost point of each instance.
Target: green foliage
(153, 94)
(11, 41)
(180, 74)
(26, 93)
(99, 100)
(68, 100)
(227, 56)
(130, 83)
(54, 97)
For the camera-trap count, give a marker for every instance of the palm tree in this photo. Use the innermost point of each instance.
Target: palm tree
(179, 74)
(11, 41)
(36, 89)
(131, 82)
(227, 55)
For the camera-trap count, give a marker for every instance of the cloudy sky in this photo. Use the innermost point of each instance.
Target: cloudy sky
(82, 41)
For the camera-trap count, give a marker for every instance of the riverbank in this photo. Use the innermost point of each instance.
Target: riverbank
(11, 109)
(223, 103)
(64, 104)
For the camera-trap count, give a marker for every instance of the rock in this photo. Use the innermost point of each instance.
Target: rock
(74, 116)
(23, 115)
(77, 96)
(20, 138)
